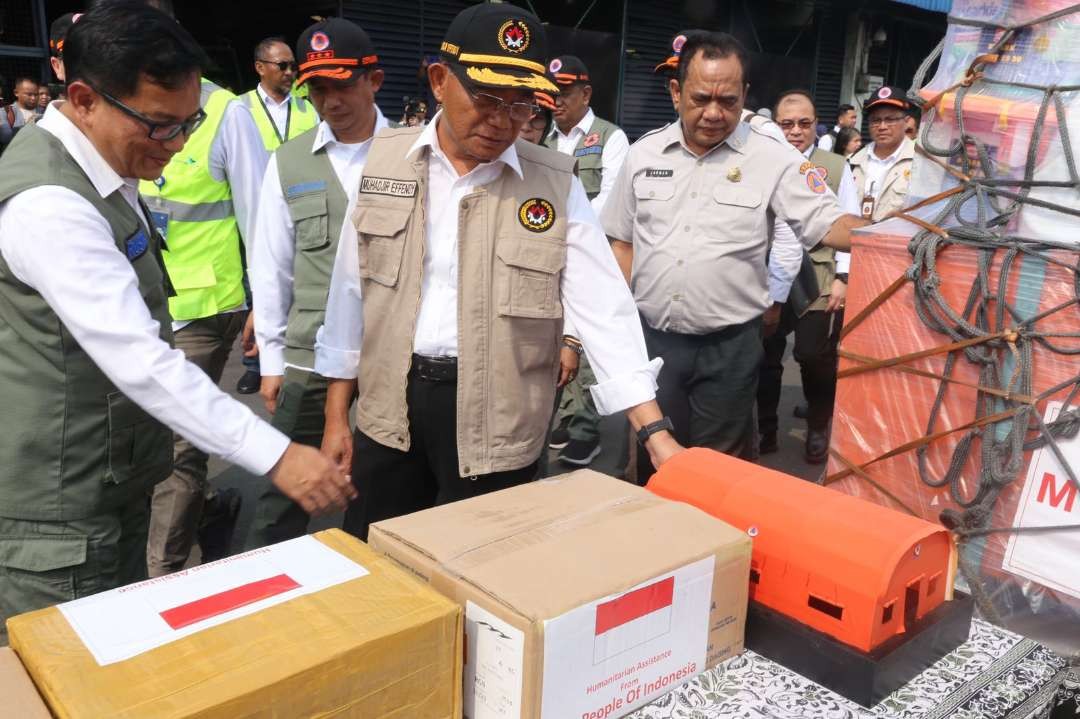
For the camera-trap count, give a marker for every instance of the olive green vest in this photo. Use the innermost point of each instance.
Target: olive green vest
(589, 153)
(317, 206)
(71, 444)
(824, 258)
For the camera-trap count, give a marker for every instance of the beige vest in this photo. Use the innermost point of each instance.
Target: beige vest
(511, 253)
(897, 180)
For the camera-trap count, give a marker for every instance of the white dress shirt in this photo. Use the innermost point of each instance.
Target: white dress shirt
(616, 149)
(57, 243)
(877, 168)
(279, 111)
(274, 246)
(596, 299)
(828, 140)
(238, 156)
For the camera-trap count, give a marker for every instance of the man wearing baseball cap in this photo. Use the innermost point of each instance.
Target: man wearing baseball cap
(309, 184)
(472, 248)
(599, 148)
(57, 32)
(882, 169)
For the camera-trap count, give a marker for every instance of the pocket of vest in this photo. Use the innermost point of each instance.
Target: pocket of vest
(310, 218)
(137, 443)
(528, 274)
(381, 235)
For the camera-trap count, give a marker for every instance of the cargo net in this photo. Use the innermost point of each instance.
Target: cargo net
(1004, 195)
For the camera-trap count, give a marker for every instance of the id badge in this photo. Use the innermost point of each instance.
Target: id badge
(868, 207)
(161, 222)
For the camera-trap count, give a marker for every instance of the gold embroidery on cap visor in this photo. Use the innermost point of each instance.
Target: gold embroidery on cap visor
(514, 36)
(536, 214)
(487, 76)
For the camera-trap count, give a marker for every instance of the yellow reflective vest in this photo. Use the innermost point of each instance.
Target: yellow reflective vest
(302, 117)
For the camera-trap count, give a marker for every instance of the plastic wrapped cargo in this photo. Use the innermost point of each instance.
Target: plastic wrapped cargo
(960, 370)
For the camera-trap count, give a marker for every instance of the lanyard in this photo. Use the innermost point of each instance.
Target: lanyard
(288, 116)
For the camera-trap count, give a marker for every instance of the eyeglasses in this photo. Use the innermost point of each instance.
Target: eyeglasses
(160, 131)
(804, 124)
(538, 122)
(885, 121)
(489, 104)
(284, 65)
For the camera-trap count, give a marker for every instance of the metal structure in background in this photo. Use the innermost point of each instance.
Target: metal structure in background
(24, 42)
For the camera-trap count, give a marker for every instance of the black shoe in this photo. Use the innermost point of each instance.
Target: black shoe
(817, 446)
(769, 443)
(580, 452)
(249, 382)
(801, 411)
(218, 524)
(560, 436)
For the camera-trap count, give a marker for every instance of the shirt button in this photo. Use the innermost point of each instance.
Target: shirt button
(693, 194)
(700, 163)
(687, 228)
(652, 194)
(679, 263)
(677, 297)
(466, 470)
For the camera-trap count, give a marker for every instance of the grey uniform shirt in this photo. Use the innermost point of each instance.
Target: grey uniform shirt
(700, 225)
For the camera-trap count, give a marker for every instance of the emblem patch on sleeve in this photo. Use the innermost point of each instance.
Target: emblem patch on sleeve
(136, 245)
(536, 215)
(387, 186)
(815, 183)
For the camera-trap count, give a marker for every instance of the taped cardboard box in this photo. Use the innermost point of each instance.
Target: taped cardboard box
(18, 696)
(317, 626)
(584, 596)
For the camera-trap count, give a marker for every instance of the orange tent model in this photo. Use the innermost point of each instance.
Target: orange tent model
(854, 570)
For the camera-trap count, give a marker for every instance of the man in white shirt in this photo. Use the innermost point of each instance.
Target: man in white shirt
(448, 294)
(309, 185)
(91, 387)
(599, 148)
(845, 117)
(882, 169)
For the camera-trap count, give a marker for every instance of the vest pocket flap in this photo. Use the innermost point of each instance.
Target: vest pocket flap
(124, 413)
(738, 196)
(193, 276)
(381, 220)
(309, 298)
(529, 254)
(654, 189)
(42, 554)
(301, 207)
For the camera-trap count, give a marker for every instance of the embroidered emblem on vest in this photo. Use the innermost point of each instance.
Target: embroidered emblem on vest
(591, 139)
(536, 214)
(815, 183)
(136, 245)
(387, 186)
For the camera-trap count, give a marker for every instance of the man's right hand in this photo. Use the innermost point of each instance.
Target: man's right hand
(771, 319)
(269, 389)
(337, 444)
(312, 481)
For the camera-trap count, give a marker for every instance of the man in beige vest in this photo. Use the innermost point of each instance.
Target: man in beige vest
(446, 305)
(883, 168)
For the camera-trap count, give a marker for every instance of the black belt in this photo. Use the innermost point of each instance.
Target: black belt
(434, 369)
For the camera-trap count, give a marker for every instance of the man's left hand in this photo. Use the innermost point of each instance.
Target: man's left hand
(247, 337)
(837, 296)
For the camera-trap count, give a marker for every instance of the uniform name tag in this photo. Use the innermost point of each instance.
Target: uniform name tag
(136, 245)
(594, 150)
(657, 172)
(386, 186)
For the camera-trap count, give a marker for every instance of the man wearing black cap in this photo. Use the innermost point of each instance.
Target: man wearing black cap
(308, 186)
(882, 169)
(471, 248)
(57, 32)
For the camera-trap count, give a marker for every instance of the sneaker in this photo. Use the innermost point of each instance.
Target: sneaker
(560, 436)
(249, 382)
(769, 443)
(580, 452)
(218, 524)
(801, 411)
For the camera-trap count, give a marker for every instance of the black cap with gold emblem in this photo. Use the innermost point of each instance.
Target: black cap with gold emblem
(498, 45)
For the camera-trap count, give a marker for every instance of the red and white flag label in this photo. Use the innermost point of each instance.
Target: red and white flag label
(127, 621)
(1048, 499)
(606, 658)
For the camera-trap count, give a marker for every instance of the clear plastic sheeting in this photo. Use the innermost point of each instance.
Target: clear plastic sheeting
(960, 361)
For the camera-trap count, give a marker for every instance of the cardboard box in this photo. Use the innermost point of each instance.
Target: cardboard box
(224, 641)
(19, 697)
(584, 596)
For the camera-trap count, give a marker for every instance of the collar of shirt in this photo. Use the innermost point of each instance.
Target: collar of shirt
(580, 128)
(430, 138)
(736, 139)
(104, 178)
(325, 136)
(808, 152)
(271, 101)
(872, 156)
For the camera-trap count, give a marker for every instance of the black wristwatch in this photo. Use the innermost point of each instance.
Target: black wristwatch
(842, 276)
(649, 430)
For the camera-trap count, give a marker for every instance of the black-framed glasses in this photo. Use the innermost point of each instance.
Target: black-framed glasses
(283, 65)
(788, 125)
(490, 104)
(886, 121)
(160, 131)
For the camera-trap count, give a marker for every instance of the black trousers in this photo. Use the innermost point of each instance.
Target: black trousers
(817, 334)
(392, 483)
(707, 387)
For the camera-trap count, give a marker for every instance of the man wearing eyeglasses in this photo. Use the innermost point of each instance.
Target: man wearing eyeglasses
(204, 203)
(882, 169)
(309, 185)
(91, 388)
(448, 295)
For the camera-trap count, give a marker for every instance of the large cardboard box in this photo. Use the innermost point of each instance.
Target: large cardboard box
(206, 644)
(584, 596)
(18, 697)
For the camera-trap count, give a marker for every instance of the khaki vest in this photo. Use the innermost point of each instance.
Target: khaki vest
(511, 253)
(823, 257)
(71, 443)
(317, 205)
(897, 179)
(589, 154)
